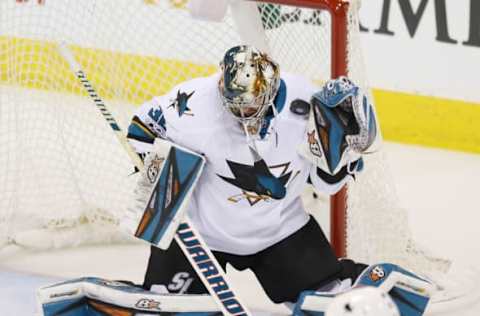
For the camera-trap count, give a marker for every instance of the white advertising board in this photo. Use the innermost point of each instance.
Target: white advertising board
(429, 47)
(426, 47)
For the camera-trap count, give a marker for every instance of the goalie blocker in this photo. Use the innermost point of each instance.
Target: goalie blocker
(158, 216)
(162, 193)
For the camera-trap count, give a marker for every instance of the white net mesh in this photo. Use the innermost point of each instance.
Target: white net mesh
(377, 226)
(62, 169)
(64, 178)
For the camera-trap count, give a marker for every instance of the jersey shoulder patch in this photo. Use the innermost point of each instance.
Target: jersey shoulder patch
(190, 97)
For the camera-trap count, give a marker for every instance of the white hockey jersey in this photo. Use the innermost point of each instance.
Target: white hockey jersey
(245, 201)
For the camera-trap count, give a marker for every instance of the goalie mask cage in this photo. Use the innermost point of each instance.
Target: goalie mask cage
(64, 178)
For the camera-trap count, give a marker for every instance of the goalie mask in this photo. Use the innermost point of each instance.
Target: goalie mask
(248, 86)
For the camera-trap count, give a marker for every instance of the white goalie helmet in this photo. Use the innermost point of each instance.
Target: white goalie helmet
(365, 301)
(248, 85)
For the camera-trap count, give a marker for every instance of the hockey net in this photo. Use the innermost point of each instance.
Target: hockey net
(64, 178)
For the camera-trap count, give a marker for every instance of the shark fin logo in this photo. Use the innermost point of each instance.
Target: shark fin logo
(180, 103)
(257, 181)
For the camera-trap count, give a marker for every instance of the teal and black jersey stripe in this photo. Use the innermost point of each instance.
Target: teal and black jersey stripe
(139, 131)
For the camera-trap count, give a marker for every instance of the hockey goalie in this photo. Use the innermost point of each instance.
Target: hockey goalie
(234, 151)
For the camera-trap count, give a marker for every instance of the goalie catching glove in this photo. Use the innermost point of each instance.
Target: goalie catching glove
(342, 126)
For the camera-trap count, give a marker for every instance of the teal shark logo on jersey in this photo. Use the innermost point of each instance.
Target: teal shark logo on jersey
(257, 182)
(180, 103)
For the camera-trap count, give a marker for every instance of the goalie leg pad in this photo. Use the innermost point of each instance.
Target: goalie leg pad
(95, 296)
(410, 292)
(163, 193)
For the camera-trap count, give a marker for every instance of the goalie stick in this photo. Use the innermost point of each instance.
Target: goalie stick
(187, 237)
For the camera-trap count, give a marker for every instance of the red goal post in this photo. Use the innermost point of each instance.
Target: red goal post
(390, 238)
(339, 56)
(29, 60)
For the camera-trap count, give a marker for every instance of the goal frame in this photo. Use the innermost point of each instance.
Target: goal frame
(339, 11)
(67, 182)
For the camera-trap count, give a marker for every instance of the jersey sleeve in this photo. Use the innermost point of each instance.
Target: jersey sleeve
(331, 184)
(148, 123)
